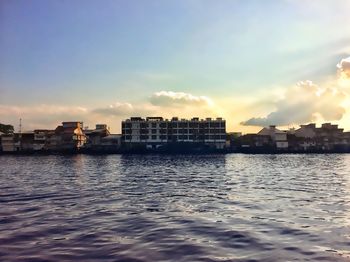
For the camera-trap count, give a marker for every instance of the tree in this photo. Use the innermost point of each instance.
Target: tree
(7, 129)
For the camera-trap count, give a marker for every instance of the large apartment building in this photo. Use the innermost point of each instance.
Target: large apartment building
(154, 132)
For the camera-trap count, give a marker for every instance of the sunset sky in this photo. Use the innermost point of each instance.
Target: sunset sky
(255, 63)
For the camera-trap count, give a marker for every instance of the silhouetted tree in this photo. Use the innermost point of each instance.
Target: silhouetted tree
(7, 129)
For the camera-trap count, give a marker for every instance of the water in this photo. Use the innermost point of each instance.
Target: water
(175, 208)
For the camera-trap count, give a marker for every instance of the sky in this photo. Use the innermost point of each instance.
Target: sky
(255, 63)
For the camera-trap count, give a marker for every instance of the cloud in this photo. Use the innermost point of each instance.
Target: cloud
(169, 98)
(41, 116)
(117, 109)
(304, 103)
(41, 109)
(344, 68)
(163, 103)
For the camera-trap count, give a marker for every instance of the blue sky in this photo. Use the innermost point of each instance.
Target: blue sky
(94, 54)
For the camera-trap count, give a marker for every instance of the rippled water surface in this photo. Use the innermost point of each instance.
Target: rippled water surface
(175, 208)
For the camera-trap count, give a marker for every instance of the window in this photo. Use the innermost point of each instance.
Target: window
(154, 137)
(143, 131)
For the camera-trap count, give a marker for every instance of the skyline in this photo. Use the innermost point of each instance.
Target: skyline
(284, 63)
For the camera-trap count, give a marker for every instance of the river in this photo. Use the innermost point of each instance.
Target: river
(136, 208)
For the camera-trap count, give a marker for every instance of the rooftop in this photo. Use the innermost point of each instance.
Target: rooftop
(173, 119)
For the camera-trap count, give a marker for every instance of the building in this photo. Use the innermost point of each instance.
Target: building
(1, 133)
(41, 139)
(26, 141)
(278, 137)
(94, 136)
(233, 140)
(260, 142)
(328, 137)
(110, 143)
(156, 132)
(8, 143)
(306, 131)
(67, 137)
(100, 140)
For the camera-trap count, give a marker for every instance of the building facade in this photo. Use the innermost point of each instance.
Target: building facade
(8, 143)
(154, 132)
(278, 137)
(67, 137)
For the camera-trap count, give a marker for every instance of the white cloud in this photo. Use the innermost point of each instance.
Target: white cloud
(163, 103)
(170, 98)
(117, 109)
(304, 103)
(307, 102)
(344, 68)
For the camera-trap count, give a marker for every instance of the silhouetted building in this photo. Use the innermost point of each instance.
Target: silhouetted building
(278, 137)
(26, 140)
(328, 137)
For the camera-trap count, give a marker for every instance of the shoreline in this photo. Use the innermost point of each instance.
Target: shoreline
(245, 152)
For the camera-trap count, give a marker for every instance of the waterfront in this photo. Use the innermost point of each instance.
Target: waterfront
(175, 208)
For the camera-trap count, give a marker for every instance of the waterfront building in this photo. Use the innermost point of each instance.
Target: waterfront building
(100, 140)
(94, 136)
(42, 139)
(110, 143)
(68, 136)
(260, 142)
(278, 137)
(306, 131)
(324, 138)
(8, 143)
(1, 133)
(155, 132)
(26, 141)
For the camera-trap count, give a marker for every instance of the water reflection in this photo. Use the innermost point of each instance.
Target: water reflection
(175, 207)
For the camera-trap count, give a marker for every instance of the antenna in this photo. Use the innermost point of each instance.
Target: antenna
(20, 135)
